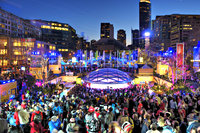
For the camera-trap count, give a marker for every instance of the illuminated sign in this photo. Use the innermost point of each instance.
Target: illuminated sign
(196, 56)
(54, 28)
(179, 54)
(108, 86)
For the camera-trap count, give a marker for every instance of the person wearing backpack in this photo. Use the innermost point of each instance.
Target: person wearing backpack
(37, 115)
(72, 127)
(92, 122)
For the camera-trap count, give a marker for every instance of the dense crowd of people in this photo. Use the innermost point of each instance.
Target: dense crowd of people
(86, 110)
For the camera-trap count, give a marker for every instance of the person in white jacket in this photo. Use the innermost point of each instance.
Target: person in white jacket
(23, 117)
(72, 127)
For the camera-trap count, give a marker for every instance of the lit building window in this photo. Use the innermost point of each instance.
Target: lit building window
(5, 62)
(102, 35)
(54, 48)
(15, 62)
(15, 44)
(3, 51)
(50, 47)
(5, 43)
(38, 45)
(43, 45)
(17, 53)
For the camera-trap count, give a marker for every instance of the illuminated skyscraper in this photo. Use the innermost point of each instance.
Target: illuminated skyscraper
(145, 19)
(121, 36)
(107, 30)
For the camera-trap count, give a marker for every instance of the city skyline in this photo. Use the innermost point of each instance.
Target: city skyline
(87, 16)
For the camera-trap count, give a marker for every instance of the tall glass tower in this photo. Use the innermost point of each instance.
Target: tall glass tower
(145, 19)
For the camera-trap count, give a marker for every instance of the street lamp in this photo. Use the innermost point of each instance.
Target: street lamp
(147, 34)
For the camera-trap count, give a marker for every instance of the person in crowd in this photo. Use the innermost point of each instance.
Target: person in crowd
(114, 128)
(37, 114)
(131, 110)
(72, 127)
(153, 129)
(16, 116)
(24, 119)
(54, 124)
(36, 127)
(108, 118)
(92, 121)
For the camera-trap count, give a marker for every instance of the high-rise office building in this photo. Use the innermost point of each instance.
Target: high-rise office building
(135, 39)
(161, 32)
(176, 28)
(14, 26)
(17, 51)
(60, 34)
(121, 36)
(145, 19)
(107, 30)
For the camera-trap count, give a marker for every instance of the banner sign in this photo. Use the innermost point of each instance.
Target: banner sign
(180, 54)
(196, 56)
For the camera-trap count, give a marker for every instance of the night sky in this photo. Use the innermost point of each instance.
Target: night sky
(86, 15)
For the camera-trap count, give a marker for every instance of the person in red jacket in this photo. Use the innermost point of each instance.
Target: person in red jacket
(139, 108)
(23, 105)
(36, 112)
(23, 97)
(97, 111)
(16, 117)
(162, 106)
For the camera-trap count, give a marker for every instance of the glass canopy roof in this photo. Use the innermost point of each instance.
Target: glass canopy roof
(108, 76)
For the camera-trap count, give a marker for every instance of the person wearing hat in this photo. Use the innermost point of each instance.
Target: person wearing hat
(54, 124)
(126, 127)
(72, 127)
(92, 121)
